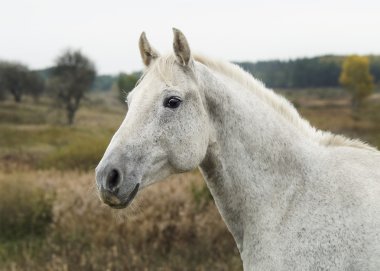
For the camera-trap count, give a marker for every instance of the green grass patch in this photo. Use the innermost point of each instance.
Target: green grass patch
(22, 136)
(59, 147)
(81, 153)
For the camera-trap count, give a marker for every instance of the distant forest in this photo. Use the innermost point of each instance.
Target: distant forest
(322, 71)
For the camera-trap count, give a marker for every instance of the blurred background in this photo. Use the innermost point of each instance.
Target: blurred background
(65, 68)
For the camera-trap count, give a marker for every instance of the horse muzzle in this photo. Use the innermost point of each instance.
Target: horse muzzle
(112, 188)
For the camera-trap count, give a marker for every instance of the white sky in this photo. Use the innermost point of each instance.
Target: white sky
(36, 31)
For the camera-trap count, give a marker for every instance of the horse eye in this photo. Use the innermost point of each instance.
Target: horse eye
(172, 102)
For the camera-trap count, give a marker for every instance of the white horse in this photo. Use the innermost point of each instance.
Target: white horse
(293, 197)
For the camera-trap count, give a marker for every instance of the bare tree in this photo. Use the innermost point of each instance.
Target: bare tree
(71, 78)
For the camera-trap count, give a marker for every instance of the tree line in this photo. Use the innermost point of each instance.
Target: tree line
(316, 72)
(313, 72)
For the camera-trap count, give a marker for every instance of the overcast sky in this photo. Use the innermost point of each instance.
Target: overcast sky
(36, 31)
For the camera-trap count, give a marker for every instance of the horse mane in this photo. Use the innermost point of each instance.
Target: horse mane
(274, 100)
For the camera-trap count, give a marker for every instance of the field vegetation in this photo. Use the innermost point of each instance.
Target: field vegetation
(52, 219)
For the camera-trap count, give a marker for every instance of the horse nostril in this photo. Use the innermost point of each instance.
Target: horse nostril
(113, 180)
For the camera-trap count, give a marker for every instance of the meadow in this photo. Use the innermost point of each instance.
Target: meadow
(52, 219)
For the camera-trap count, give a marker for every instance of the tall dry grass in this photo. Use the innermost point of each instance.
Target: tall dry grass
(164, 229)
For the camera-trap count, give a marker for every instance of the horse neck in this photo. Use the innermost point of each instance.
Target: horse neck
(255, 160)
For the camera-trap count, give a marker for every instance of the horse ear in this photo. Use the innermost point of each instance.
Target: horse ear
(181, 47)
(148, 53)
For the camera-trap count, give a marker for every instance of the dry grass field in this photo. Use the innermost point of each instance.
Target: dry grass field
(52, 219)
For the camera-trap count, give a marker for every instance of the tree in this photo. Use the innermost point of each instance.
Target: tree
(126, 82)
(13, 78)
(19, 80)
(72, 76)
(375, 68)
(2, 91)
(356, 77)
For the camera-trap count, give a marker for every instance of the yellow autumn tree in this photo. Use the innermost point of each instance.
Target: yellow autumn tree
(356, 77)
